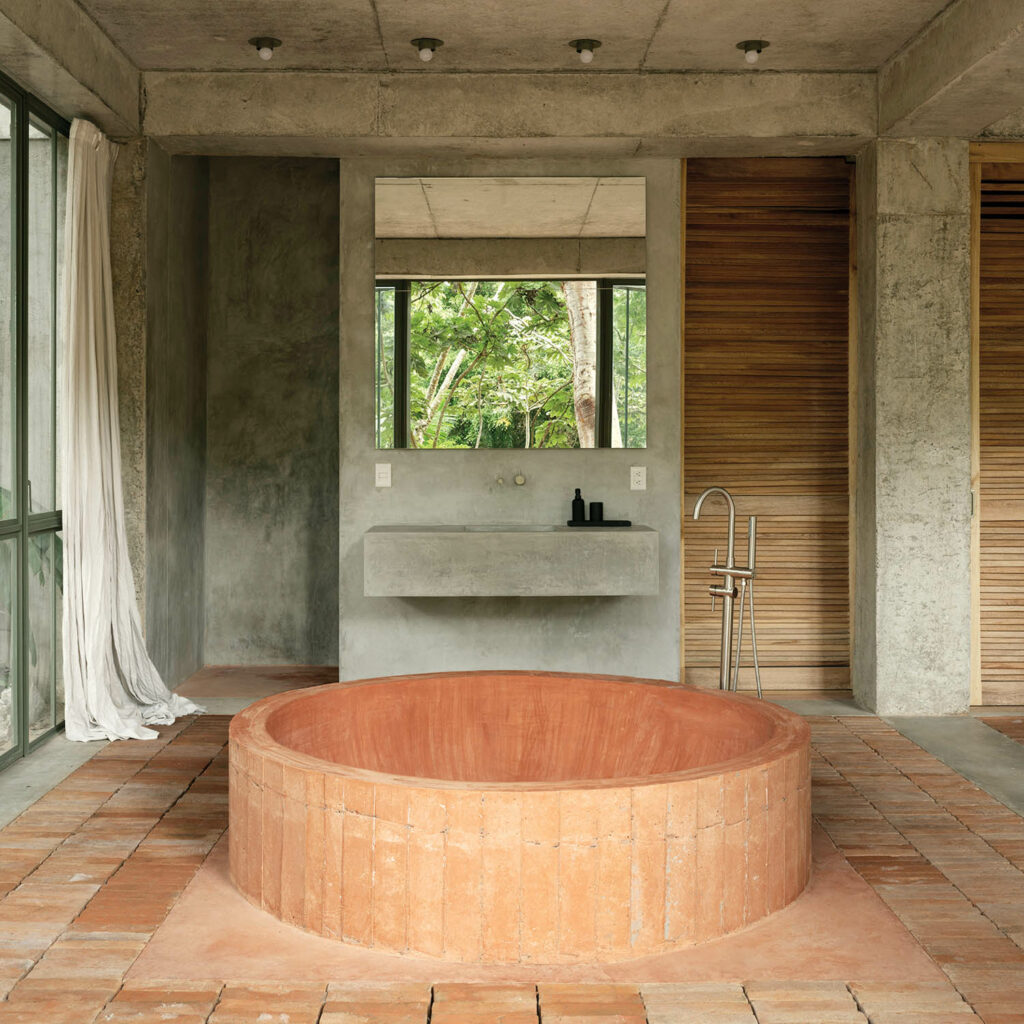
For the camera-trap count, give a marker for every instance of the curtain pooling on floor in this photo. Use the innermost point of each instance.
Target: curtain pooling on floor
(112, 687)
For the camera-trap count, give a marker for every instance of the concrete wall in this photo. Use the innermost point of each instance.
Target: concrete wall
(635, 635)
(176, 299)
(507, 257)
(272, 429)
(128, 274)
(912, 622)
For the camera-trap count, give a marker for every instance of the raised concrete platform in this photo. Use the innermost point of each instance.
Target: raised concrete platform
(518, 560)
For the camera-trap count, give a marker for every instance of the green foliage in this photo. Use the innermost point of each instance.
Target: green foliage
(490, 365)
(385, 368)
(629, 362)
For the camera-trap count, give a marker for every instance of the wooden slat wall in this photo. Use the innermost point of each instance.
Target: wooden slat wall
(1001, 411)
(766, 408)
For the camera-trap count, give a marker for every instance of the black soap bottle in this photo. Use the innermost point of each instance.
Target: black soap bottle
(579, 509)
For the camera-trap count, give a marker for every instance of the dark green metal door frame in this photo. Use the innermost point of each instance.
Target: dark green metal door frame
(25, 525)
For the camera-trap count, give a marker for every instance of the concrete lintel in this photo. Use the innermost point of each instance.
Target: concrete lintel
(592, 148)
(55, 50)
(345, 114)
(959, 75)
(508, 257)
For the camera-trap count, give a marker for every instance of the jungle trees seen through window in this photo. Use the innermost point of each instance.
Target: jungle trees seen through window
(511, 364)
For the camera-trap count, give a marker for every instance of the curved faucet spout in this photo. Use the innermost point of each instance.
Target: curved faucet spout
(731, 553)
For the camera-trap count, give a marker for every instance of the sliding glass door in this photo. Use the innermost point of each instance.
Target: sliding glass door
(33, 175)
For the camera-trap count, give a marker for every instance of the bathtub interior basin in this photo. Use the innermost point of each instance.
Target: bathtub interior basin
(519, 728)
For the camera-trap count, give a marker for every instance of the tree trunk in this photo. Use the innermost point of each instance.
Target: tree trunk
(581, 303)
(616, 426)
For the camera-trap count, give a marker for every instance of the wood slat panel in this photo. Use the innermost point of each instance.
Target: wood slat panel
(766, 407)
(1001, 430)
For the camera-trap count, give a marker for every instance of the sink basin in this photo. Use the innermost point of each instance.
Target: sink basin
(510, 528)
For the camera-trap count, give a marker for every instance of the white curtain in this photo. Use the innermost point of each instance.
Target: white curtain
(111, 686)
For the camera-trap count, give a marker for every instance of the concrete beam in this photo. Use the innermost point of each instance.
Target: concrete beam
(508, 257)
(959, 75)
(56, 51)
(339, 114)
(1009, 127)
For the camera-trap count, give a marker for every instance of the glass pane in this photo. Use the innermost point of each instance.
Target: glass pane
(385, 372)
(41, 247)
(8, 647)
(502, 364)
(41, 647)
(8, 361)
(58, 625)
(62, 188)
(629, 366)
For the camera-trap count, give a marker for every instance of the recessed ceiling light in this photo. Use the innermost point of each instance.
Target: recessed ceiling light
(585, 48)
(265, 46)
(426, 47)
(752, 49)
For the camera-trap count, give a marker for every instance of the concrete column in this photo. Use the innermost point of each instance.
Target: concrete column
(158, 269)
(128, 272)
(912, 615)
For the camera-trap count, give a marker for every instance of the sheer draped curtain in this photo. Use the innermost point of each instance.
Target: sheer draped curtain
(112, 687)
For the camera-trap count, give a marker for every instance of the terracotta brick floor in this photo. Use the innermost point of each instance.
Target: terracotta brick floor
(90, 871)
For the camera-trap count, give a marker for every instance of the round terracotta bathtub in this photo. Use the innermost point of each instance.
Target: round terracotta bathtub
(512, 817)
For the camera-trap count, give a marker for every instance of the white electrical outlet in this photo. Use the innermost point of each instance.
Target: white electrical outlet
(382, 474)
(638, 478)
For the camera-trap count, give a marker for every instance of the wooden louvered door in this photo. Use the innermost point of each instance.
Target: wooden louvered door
(1001, 433)
(766, 408)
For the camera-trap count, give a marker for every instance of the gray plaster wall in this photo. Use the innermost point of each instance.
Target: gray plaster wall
(630, 635)
(176, 302)
(912, 620)
(128, 274)
(271, 535)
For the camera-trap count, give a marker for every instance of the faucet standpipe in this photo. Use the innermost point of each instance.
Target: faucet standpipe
(747, 587)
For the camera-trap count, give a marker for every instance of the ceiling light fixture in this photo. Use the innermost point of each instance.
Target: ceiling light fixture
(265, 46)
(752, 49)
(426, 47)
(585, 48)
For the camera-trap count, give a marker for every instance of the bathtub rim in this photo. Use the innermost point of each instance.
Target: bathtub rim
(248, 732)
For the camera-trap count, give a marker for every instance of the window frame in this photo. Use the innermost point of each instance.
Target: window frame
(24, 524)
(605, 349)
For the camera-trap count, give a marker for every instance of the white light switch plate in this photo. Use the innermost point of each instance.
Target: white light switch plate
(382, 474)
(638, 478)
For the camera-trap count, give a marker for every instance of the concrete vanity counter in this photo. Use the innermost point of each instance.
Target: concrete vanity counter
(518, 560)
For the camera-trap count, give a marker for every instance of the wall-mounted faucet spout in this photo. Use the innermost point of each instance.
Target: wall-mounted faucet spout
(727, 590)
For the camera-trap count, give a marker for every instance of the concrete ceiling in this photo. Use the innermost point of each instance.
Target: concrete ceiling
(510, 207)
(527, 35)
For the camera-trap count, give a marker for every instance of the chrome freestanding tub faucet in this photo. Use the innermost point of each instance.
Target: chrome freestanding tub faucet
(728, 677)
(727, 591)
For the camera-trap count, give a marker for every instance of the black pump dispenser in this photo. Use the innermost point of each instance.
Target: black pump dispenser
(579, 508)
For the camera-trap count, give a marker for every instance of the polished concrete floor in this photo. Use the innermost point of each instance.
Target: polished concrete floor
(108, 845)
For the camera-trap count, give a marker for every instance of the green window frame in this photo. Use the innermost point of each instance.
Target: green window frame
(31, 349)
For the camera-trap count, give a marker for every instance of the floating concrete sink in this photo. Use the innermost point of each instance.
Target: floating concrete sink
(509, 560)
